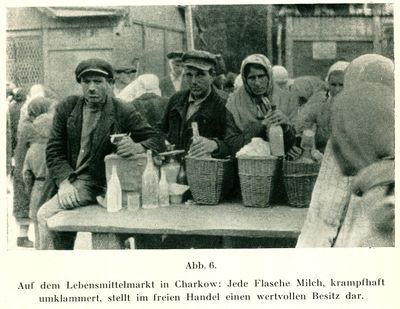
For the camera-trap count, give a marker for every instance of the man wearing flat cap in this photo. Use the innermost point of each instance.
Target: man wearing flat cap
(201, 104)
(124, 75)
(173, 82)
(79, 141)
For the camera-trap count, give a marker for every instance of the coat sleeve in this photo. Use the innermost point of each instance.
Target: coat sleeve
(27, 174)
(233, 138)
(143, 133)
(56, 151)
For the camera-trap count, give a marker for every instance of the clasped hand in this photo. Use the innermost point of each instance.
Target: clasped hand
(275, 117)
(126, 147)
(202, 146)
(68, 196)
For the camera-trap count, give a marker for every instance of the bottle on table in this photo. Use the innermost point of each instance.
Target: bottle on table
(163, 197)
(150, 183)
(182, 179)
(275, 135)
(114, 192)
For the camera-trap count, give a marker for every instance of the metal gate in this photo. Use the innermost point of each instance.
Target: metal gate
(25, 60)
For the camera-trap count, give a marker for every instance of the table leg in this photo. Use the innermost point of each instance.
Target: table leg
(107, 241)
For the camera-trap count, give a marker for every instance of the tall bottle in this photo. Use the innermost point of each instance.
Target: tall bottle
(163, 197)
(114, 192)
(276, 142)
(150, 184)
(196, 135)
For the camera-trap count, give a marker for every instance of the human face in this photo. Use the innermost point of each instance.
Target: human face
(176, 67)
(199, 81)
(257, 80)
(95, 88)
(124, 77)
(335, 82)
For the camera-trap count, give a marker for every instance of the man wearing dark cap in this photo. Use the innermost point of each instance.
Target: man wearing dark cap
(173, 82)
(124, 75)
(79, 141)
(201, 104)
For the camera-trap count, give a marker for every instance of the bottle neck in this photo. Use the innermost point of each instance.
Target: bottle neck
(149, 158)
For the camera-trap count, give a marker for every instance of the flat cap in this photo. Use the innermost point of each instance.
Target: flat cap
(125, 69)
(95, 65)
(199, 59)
(175, 54)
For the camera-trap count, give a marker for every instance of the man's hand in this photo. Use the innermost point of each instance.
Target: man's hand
(202, 146)
(68, 196)
(126, 147)
(275, 117)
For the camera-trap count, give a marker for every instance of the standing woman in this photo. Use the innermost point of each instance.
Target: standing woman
(252, 104)
(21, 197)
(333, 209)
(317, 110)
(35, 169)
(363, 144)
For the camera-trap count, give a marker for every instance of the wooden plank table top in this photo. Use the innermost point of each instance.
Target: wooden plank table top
(227, 219)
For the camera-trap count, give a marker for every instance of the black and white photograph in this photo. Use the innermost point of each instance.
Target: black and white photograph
(150, 130)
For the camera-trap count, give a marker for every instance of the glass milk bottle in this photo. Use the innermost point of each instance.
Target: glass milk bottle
(114, 192)
(196, 135)
(163, 197)
(275, 135)
(150, 190)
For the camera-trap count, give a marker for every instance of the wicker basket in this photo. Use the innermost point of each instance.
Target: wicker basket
(257, 178)
(299, 179)
(207, 178)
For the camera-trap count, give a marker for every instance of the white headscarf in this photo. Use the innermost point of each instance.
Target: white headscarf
(340, 66)
(280, 74)
(148, 83)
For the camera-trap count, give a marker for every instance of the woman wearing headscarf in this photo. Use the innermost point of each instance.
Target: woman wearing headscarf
(149, 102)
(332, 216)
(252, 104)
(21, 197)
(363, 144)
(316, 112)
(35, 170)
(36, 91)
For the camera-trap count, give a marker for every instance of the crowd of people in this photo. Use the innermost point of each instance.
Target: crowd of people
(56, 146)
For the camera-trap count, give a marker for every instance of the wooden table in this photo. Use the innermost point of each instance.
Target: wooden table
(220, 220)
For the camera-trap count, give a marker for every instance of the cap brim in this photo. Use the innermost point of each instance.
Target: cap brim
(201, 66)
(94, 71)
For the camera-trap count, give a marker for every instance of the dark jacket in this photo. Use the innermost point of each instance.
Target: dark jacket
(64, 143)
(151, 106)
(214, 121)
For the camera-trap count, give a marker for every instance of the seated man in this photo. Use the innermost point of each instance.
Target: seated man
(201, 104)
(79, 141)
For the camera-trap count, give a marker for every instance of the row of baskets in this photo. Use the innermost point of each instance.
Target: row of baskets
(207, 178)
